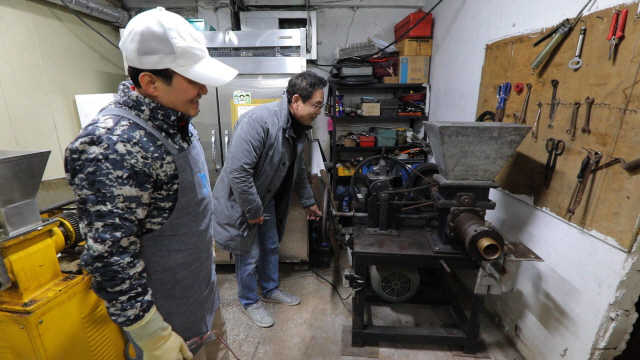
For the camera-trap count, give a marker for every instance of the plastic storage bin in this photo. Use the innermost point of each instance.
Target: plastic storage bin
(423, 30)
(367, 141)
(386, 137)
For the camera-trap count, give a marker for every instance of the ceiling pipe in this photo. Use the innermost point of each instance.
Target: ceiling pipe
(109, 13)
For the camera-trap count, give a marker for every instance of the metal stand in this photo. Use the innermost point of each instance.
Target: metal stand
(411, 248)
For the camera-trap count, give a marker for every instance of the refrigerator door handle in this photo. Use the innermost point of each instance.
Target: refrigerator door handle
(213, 151)
(226, 142)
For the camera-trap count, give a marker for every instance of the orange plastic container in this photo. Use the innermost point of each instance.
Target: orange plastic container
(423, 30)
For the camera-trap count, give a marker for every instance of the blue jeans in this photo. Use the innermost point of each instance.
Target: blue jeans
(261, 264)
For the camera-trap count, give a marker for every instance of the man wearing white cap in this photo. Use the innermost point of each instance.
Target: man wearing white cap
(144, 199)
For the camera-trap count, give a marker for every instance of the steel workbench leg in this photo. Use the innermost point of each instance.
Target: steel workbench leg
(477, 306)
(358, 302)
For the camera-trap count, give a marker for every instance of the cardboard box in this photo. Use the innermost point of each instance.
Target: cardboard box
(415, 47)
(390, 80)
(370, 109)
(414, 69)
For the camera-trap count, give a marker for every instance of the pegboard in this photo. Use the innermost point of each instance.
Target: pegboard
(611, 202)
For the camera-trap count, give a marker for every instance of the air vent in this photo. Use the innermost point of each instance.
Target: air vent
(260, 52)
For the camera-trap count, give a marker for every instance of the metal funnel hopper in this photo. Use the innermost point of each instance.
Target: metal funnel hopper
(473, 151)
(20, 175)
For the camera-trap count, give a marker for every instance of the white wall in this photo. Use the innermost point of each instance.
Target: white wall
(581, 298)
(48, 56)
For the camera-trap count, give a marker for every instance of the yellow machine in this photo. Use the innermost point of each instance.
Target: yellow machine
(44, 313)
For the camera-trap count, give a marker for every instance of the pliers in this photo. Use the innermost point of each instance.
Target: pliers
(616, 31)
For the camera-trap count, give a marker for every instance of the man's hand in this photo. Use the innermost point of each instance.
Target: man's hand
(259, 220)
(313, 213)
(156, 339)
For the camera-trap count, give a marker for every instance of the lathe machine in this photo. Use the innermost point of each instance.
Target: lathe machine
(432, 226)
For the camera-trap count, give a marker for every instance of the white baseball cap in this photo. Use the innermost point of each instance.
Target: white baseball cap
(160, 39)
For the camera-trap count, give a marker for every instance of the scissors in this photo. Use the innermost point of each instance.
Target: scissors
(503, 94)
(555, 148)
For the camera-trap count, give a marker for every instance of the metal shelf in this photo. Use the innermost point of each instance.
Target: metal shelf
(378, 86)
(373, 148)
(378, 118)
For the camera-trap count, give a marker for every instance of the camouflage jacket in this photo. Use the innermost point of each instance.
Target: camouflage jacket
(126, 183)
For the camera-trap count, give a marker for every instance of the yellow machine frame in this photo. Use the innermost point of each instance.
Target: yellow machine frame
(46, 314)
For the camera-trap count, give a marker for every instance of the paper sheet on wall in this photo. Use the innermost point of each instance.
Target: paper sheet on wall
(244, 108)
(239, 109)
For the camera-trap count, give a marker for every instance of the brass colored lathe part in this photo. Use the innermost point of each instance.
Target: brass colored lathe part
(489, 248)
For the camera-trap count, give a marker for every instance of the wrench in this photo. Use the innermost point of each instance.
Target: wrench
(534, 131)
(554, 106)
(587, 117)
(574, 119)
(576, 62)
(523, 115)
(554, 83)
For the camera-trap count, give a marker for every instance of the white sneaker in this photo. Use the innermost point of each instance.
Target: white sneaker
(259, 315)
(282, 297)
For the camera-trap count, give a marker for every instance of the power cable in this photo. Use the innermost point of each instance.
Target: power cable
(336, 289)
(86, 23)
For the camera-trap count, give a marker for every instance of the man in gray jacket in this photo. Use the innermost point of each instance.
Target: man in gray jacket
(251, 197)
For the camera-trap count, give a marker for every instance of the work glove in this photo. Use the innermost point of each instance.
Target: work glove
(156, 339)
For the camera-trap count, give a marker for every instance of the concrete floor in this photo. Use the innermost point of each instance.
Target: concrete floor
(313, 329)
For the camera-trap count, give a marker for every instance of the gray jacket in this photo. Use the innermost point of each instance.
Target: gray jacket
(257, 161)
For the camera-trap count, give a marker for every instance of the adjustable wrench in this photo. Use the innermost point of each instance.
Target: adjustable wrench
(574, 119)
(587, 117)
(554, 83)
(523, 115)
(534, 131)
(554, 107)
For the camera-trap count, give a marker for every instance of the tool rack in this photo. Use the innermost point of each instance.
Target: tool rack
(611, 201)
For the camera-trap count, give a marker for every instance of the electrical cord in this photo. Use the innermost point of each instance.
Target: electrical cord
(336, 289)
(298, 277)
(86, 23)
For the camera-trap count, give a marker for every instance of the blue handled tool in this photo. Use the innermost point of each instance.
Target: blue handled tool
(503, 92)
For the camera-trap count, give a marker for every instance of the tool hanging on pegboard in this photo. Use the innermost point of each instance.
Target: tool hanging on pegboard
(576, 62)
(558, 33)
(503, 94)
(616, 31)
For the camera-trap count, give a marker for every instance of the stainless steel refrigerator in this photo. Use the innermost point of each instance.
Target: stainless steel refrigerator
(265, 60)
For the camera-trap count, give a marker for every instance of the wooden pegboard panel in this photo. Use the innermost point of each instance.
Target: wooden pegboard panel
(611, 203)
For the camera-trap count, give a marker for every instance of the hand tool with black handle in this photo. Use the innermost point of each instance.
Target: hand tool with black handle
(595, 158)
(583, 168)
(555, 148)
(553, 105)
